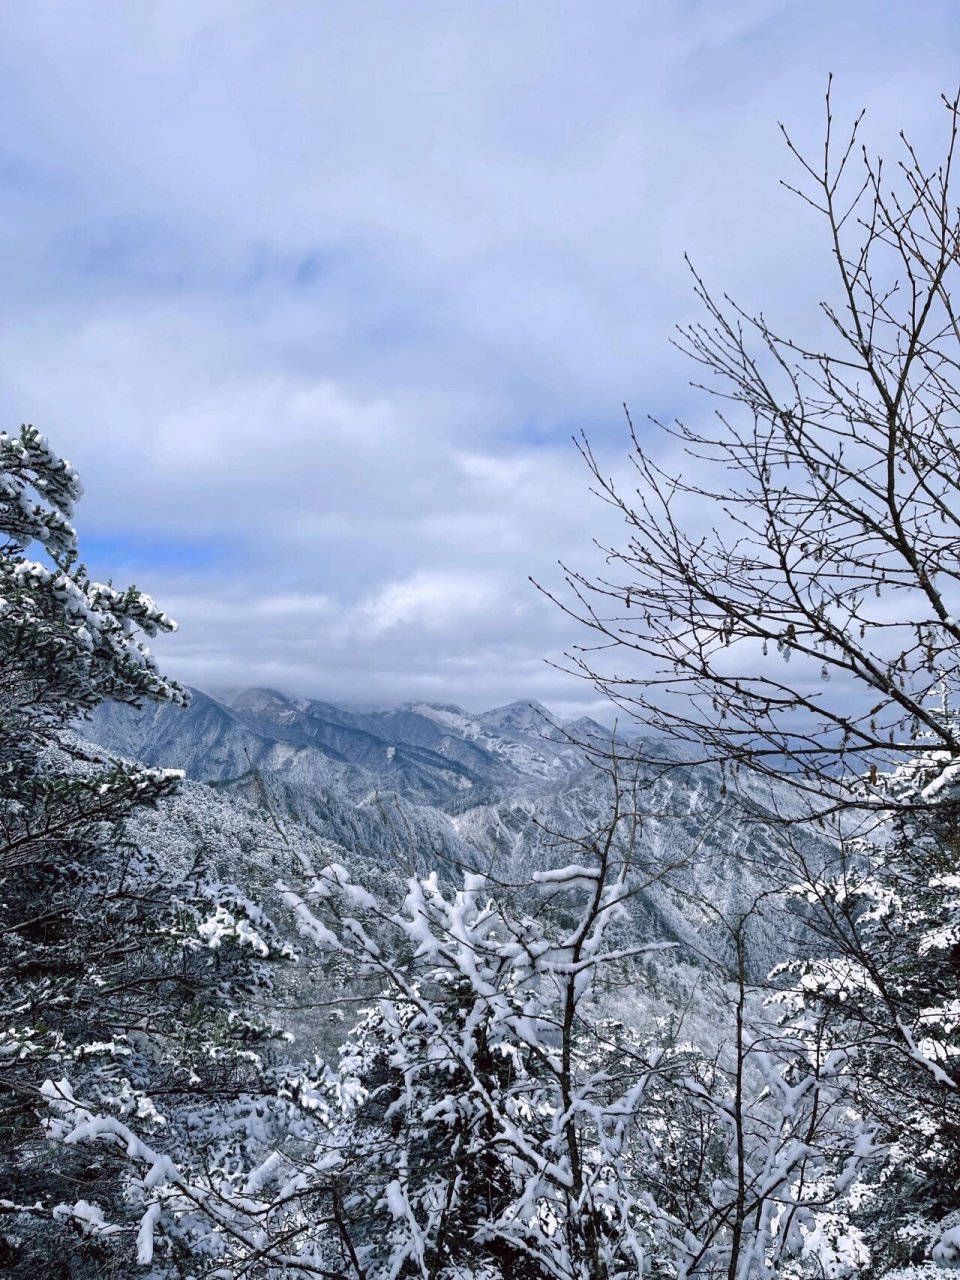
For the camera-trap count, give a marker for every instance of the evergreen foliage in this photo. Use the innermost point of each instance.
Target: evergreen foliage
(121, 986)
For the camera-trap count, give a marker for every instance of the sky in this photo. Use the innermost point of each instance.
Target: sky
(315, 294)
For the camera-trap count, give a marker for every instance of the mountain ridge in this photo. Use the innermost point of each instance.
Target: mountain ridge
(435, 787)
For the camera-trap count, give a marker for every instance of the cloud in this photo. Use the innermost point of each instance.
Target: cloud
(314, 297)
(428, 602)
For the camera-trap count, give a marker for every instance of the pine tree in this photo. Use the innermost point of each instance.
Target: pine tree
(124, 981)
(424, 1179)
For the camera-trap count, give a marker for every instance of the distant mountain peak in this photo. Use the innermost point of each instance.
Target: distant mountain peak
(522, 716)
(252, 699)
(585, 729)
(521, 704)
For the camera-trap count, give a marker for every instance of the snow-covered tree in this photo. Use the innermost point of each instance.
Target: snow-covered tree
(65, 643)
(587, 1149)
(886, 992)
(785, 599)
(424, 1174)
(124, 982)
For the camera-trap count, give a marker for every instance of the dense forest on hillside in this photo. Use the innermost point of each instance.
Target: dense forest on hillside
(419, 993)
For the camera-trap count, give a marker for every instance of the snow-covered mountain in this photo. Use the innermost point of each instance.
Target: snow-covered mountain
(504, 791)
(426, 752)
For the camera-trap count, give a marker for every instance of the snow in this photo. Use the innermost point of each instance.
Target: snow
(88, 1216)
(307, 923)
(395, 1199)
(947, 1248)
(447, 717)
(572, 876)
(145, 1234)
(223, 925)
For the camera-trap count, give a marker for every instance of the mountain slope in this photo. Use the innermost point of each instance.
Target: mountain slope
(434, 787)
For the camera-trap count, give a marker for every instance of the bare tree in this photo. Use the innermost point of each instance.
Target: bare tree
(827, 496)
(816, 523)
